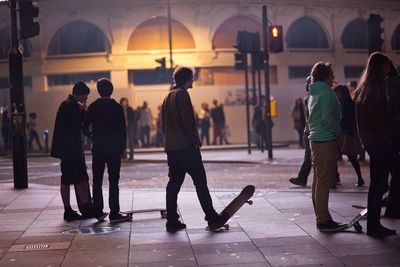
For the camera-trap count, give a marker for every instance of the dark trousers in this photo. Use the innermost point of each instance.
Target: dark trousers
(205, 134)
(189, 161)
(306, 166)
(113, 167)
(33, 135)
(393, 204)
(301, 137)
(383, 158)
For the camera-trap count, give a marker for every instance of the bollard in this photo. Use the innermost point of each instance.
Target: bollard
(46, 141)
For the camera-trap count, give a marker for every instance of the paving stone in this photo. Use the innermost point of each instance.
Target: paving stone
(162, 255)
(33, 258)
(166, 264)
(104, 258)
(218, 237)
(157, 238)
(230, 258)
(111, 241)
(368, 260)
(296, 260)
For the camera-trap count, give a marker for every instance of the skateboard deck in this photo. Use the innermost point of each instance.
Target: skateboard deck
(355, 222)
(78, 200)
(130, 213)
(233, 207)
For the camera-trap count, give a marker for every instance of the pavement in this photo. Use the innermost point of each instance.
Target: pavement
(277, 230)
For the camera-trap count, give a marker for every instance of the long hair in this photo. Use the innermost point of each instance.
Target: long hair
(372, 81)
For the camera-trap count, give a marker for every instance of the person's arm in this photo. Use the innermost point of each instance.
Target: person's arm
(87, 121)
(122, 129)
(185, 110)
(331, 113)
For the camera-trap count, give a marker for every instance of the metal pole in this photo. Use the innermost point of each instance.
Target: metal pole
(262, 141)
(18, 116)
(171, 62)
(246, 78)
(267, 89)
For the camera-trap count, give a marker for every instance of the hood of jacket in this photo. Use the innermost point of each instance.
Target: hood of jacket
(319, 88)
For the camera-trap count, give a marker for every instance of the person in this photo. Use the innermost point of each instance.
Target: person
(67, 146)
(324, 125)
(6, 130)
(374, 130)
(352, 86)
(205, 124)
(108, 133)
(33, 135)
(159, 134)
(144, 123)
(393, 109)
(260, 124)
(218, 118)
(299, 119)
(305, 169)
(182, 145)
(130, 125)
(349, 142)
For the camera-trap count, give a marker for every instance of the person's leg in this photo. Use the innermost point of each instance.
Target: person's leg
(208, 136)
(393, 204)
(325, 164)
(37, 139)
(65, 195)
(195, 168)
(98, 166)
(305, 169)
(30, 140)
(379, 172)
(113, 168)
(215, 135)
(356, 165)
(176, 176)
(148, 136)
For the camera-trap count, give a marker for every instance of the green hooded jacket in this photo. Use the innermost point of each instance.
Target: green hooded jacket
(325, 114)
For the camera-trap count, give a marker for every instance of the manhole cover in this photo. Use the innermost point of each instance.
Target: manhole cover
(91, 230)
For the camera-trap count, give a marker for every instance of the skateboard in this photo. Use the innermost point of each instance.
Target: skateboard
(78, 200)
(130, 213)
(355, 221)
(232, 208)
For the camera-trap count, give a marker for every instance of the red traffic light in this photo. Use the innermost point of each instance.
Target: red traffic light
(28, 10)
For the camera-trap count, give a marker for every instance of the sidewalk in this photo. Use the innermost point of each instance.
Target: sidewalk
(277, 230)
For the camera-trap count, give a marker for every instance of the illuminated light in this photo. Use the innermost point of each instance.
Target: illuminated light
(153, 52)
(275, 32)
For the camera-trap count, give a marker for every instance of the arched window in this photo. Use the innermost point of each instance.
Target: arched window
(5, 44)
(225, 36)
(306, 32)
(396, 39)
(78, 37)
(355, 35)
(153, 35)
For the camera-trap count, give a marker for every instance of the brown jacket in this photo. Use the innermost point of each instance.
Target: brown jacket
(372, 120)
(178, 122)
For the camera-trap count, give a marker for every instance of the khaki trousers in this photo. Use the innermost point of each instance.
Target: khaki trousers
(324, 160)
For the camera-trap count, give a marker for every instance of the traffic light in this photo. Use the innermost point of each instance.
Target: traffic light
(275, 38)
(375, 31)
(239, 61)
(28, 10)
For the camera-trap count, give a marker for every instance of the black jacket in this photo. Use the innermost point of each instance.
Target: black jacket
(67, 134)
(108, 133)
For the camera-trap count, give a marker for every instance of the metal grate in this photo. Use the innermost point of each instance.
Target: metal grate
(91, 230)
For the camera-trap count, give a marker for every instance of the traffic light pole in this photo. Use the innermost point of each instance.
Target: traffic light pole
(267, 89)
(18, 116)
(171, 62)
(246, 80)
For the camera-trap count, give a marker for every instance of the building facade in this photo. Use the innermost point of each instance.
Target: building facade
(121, 40)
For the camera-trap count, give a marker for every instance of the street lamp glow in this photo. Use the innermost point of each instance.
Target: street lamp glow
(275, 32)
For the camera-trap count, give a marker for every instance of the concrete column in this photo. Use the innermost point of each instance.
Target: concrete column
(39, 83)
(119, 78)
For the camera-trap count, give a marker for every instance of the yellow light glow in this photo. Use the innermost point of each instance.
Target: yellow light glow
(275, 32)
(153, 52)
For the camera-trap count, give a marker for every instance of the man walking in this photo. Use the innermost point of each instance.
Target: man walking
(182, 145)
(324, 125)
(305, 169)
(218, 118)
(106, 117)
(67, 146)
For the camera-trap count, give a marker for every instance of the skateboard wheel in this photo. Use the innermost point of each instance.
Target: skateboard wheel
(250, 202)
(358, 227)
(226, 226)
(163, 214)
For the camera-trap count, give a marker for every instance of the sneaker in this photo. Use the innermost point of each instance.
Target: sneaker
(219, 221)
(331, 226)
(298, 181)
(72, 215)
(101, 216)
(175, 226)
(380, 231)
(119, 218)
